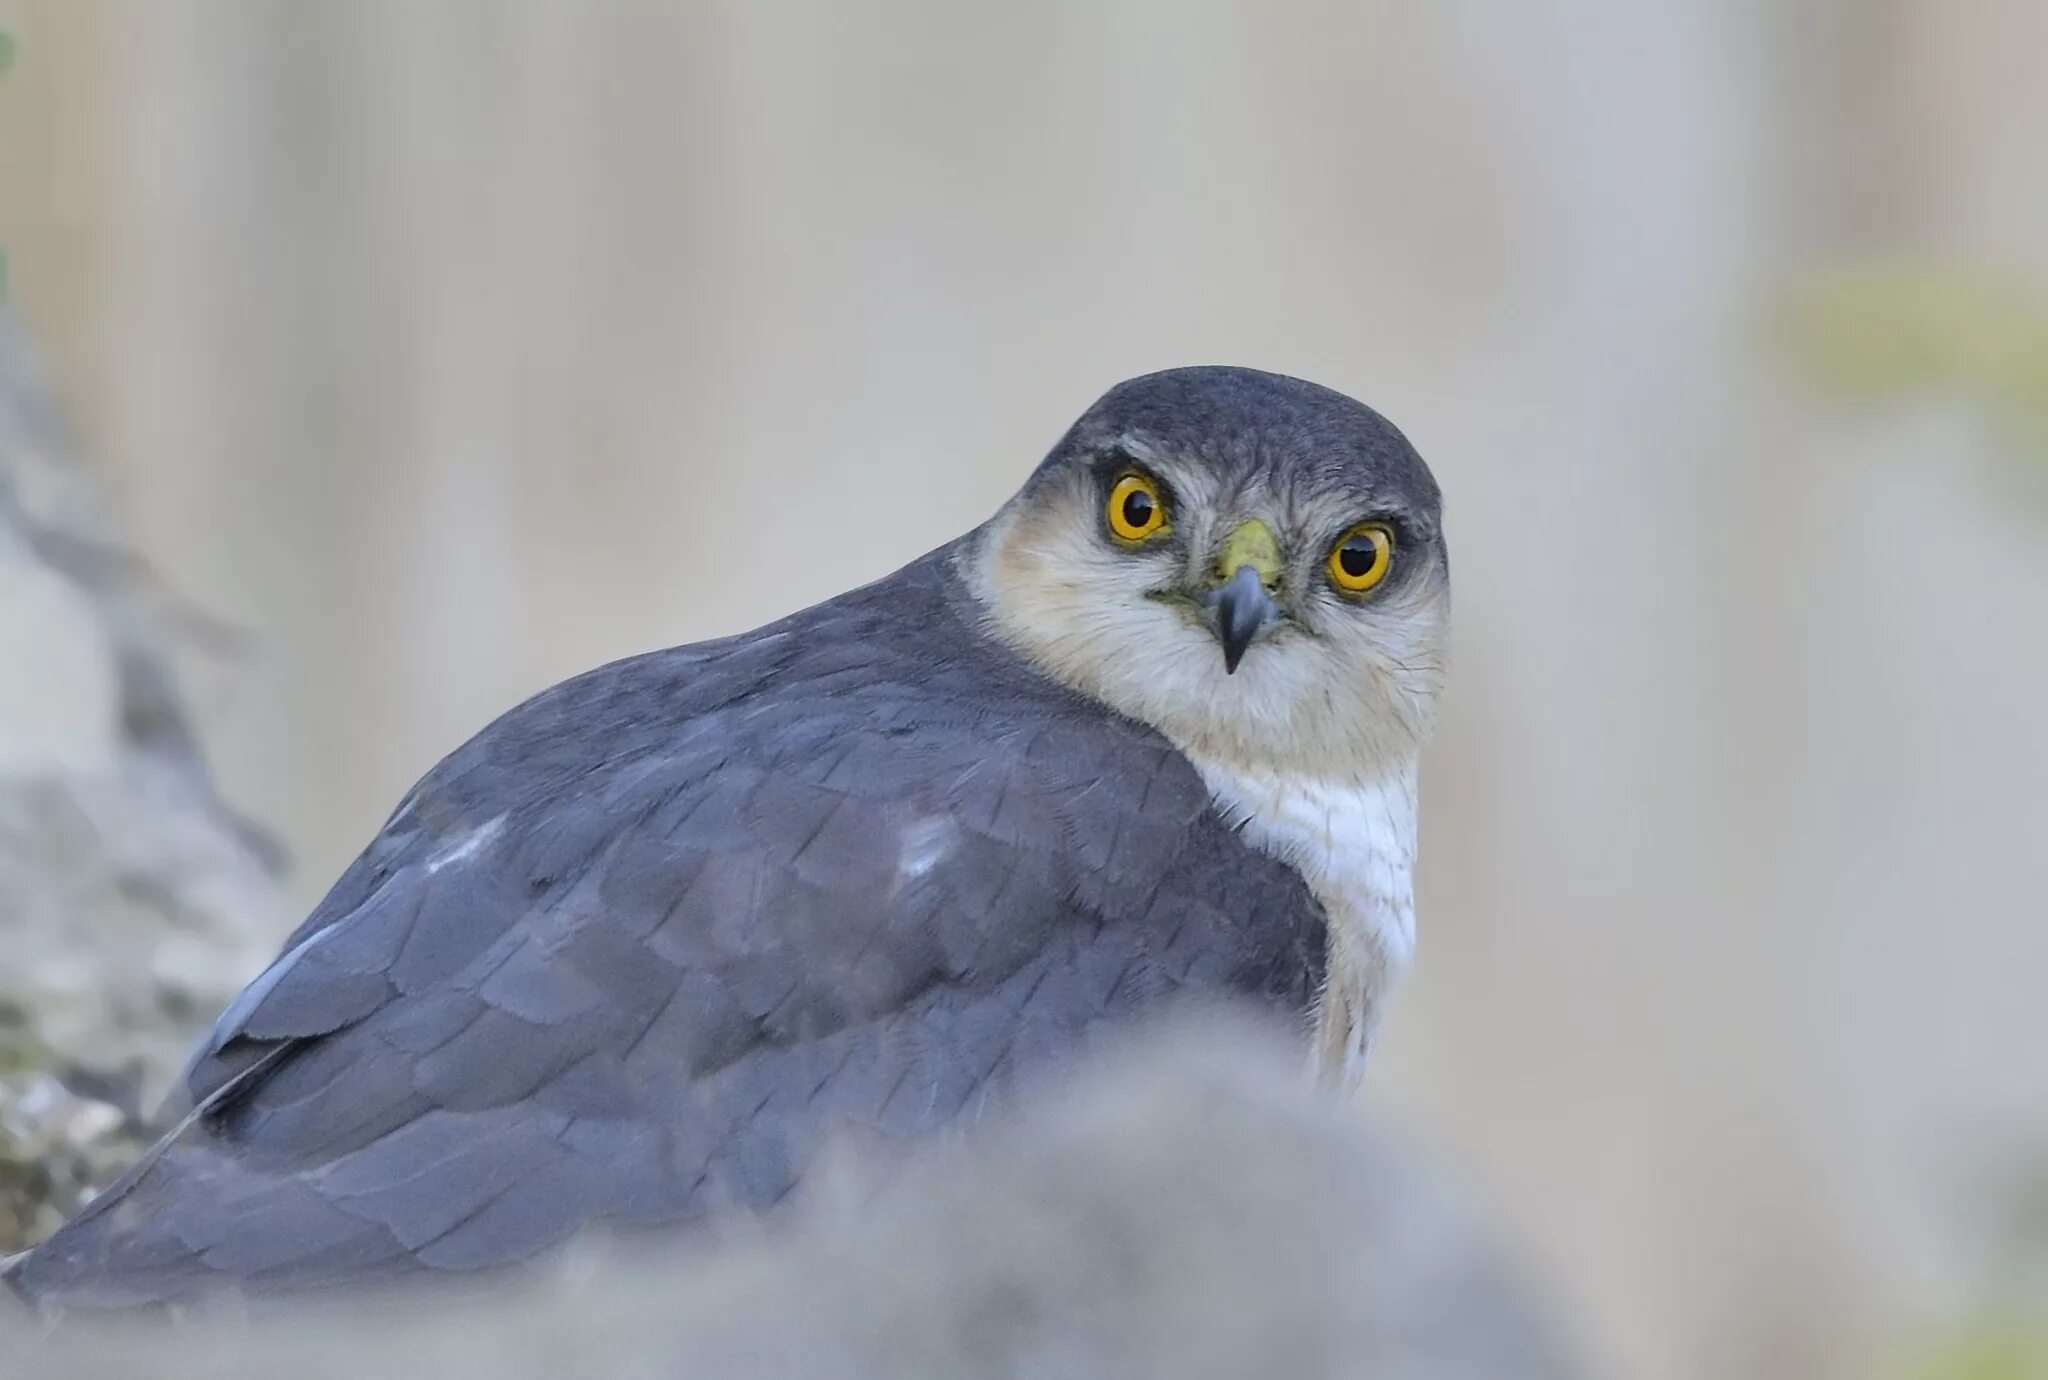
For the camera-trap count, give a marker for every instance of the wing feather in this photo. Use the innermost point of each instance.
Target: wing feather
(632, 950)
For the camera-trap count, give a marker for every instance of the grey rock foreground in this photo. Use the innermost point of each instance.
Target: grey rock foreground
(1192, 1209)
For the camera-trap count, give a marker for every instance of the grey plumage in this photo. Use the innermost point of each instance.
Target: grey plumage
(689, 946)
(1256, 427)
(634, 949)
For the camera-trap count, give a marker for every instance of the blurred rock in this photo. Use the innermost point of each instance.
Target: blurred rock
(1193, 1209)
(133, 904)
(56, 1147)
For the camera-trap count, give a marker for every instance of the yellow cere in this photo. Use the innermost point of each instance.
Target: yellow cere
(1137, 510)
(1252, 544)
(1362, 557)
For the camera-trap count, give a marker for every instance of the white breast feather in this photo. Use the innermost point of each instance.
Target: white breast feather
(1354, 845)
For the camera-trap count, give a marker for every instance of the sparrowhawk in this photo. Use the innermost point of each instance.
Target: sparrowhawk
(631, 952)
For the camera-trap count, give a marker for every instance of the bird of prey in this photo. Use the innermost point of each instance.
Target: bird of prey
(629, 954)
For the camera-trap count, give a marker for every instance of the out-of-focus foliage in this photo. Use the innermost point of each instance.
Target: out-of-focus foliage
(2006, 1335)
(1889, 331)
(1995, 1349)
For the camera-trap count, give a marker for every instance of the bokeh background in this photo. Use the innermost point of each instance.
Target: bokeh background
(441, 350)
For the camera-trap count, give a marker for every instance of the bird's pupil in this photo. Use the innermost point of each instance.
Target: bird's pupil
(1357, 558)
(1138, 508)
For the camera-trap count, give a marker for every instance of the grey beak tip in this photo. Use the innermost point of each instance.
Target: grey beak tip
(1242, 607)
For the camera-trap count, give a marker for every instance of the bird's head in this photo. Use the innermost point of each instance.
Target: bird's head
(1250, 563)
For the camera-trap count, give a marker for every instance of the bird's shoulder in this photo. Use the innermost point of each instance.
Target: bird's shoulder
(902, 661)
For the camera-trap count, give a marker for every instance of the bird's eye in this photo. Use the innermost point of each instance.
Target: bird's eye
(1362, 557)
(1137, 510)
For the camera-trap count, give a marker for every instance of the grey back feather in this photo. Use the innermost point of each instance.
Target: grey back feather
(634, 949)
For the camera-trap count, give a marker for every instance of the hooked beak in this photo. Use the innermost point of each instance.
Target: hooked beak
(1249, 564)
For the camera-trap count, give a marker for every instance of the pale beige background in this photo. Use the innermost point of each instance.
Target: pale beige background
(450, 348)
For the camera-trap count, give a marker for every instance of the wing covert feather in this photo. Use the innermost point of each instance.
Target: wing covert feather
(631, 951)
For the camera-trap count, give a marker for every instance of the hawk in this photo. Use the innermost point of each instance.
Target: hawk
(629, 954)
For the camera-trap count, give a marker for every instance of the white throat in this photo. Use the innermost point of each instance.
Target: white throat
(1354, 845)
(1310, 748)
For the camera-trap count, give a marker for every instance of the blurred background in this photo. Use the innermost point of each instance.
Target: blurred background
(437, 351)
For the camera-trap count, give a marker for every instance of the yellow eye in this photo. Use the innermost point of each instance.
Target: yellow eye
(1362, 557)
(1137, 511)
